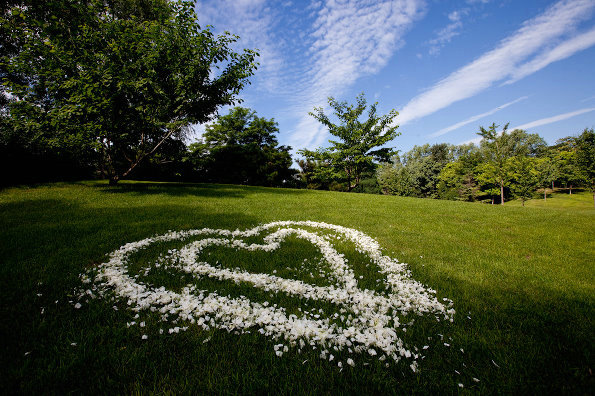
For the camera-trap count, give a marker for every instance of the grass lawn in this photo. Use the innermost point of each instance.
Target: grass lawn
(522, 281)
(559, 199)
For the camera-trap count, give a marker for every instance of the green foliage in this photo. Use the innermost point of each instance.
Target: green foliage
(547, 172)
(119, 78)
(360, 142)
(524, 177)
(394, 178)
(498, 148)
(242, 148)
(568, 169)
(437, 171)
(457, 182)
(585, 157)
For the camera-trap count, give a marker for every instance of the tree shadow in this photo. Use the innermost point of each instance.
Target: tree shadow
(192, 189)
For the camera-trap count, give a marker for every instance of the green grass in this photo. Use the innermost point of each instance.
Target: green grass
(559, 199)
(524, 276)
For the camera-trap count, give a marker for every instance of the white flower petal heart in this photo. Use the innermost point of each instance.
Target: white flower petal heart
(376, 321)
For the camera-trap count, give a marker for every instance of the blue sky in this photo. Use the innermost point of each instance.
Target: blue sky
(445, 66)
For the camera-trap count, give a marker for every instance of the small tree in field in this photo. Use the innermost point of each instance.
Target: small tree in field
(359, 143)
(497, 156)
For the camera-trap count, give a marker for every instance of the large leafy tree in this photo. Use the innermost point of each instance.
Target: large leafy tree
(119, 77)
(359, 144)
(242, 148)
(416, 172)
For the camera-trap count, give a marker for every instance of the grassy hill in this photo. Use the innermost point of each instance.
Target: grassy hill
(559, 198)
(522, 281)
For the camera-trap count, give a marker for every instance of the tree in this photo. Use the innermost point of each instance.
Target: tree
(242, 148)
(547, 170)
(120, 77)
(360, 142)
(496, 156)
(499, 147)
(586, 158)
(488, 178)
(568, 169)
(457, 182)
(523, 176)
(424, 164)
(316, 174)
(395, 179)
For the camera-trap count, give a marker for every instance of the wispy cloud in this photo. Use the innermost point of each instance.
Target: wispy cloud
(503, 61)
(561, 51)
(474, 118)
(550, 120)
(446, 34)
(254, 22)
(541, 122)
(351, 39)
(340, 42)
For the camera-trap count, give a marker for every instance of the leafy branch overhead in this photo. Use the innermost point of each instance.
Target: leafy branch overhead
(118, 79)
(359, 143)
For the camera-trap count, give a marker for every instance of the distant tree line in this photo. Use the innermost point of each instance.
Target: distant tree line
(503, 166)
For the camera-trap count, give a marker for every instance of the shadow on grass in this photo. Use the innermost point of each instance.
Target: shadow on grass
(45, 244)
(525, 341)
(191, 189)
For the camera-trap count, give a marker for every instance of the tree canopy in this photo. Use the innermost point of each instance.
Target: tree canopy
(242, 148)
(360, 141)
(117, 78)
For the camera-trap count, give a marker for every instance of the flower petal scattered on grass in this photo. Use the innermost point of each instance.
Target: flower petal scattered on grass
(373, 327)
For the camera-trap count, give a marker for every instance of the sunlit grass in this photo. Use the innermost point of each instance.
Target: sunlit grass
(559, 198)
(522, 281)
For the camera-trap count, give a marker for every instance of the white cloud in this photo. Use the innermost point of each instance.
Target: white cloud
(351, 39)
(561, 51)
(540, 122)
(502, 62)
(254, 22)
(340, 41)
(550, 120)
(445, 35)
(474, 118)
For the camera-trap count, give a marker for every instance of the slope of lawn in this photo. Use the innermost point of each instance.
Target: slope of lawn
(559, 198)
(522, 281)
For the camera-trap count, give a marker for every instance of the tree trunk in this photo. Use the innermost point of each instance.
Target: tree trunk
(113, 180)
(552, 185)
(501, 193)
(544, 194)
(492, 199)
(523, 201)
(571, 189)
